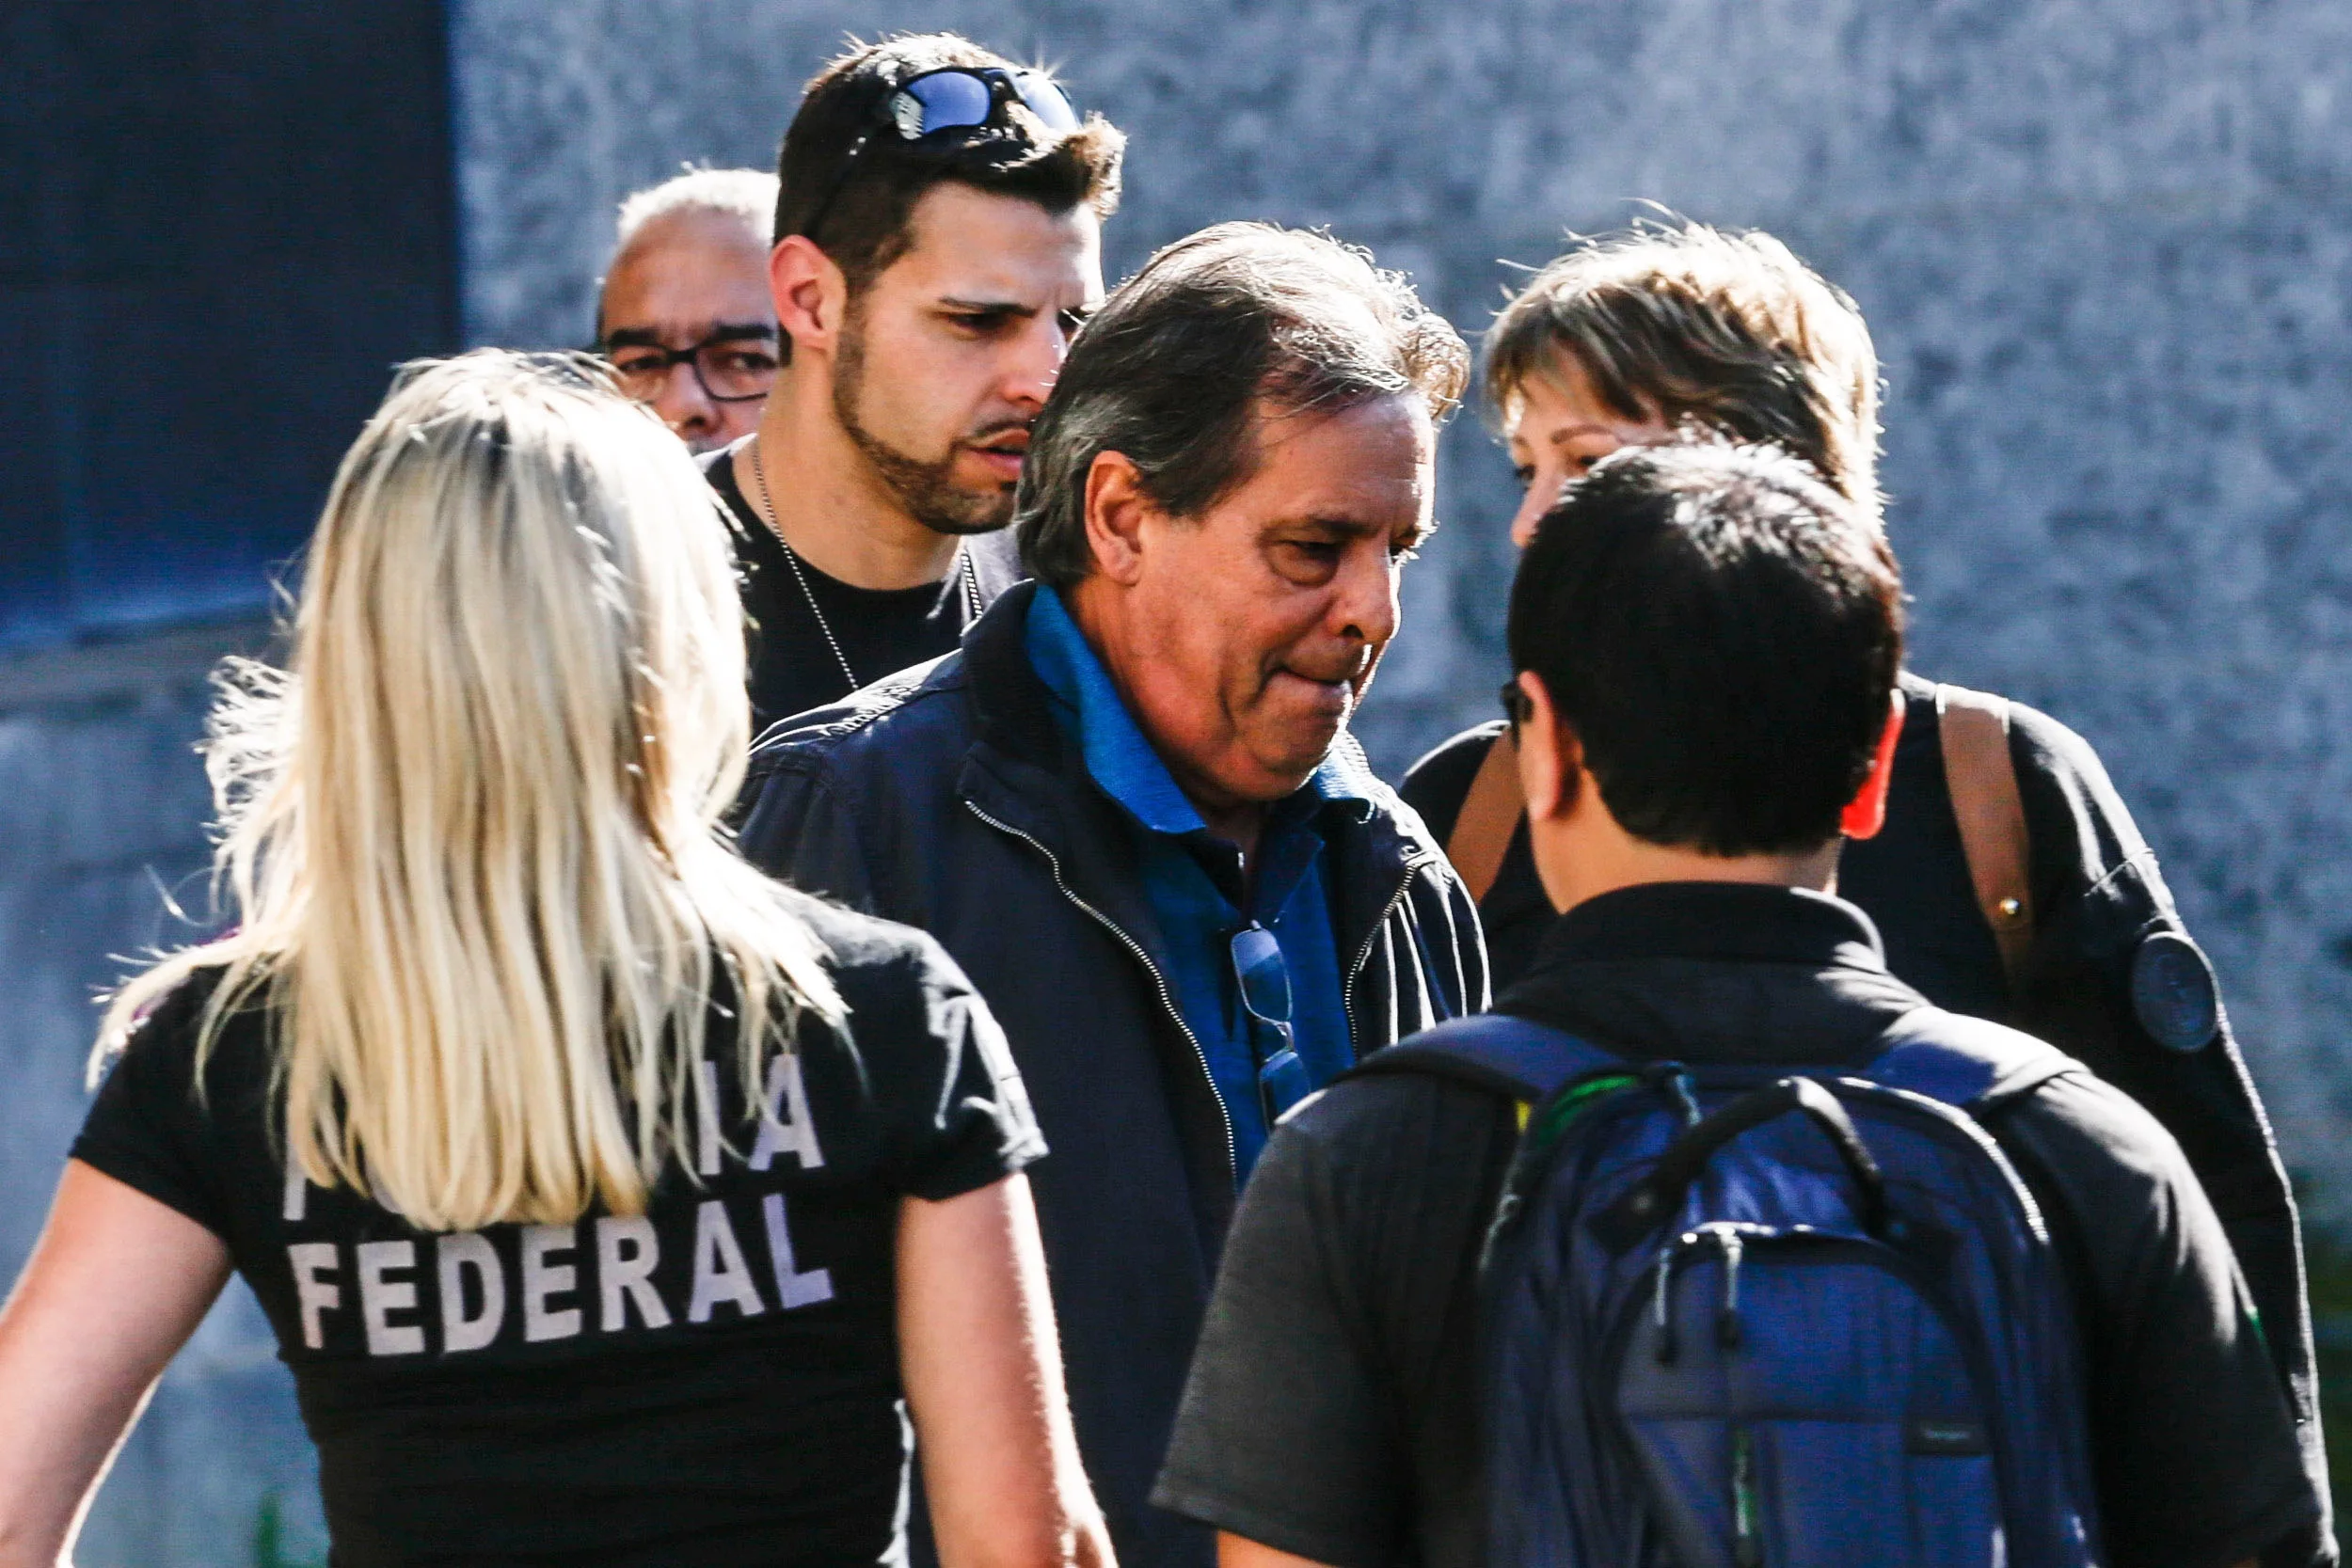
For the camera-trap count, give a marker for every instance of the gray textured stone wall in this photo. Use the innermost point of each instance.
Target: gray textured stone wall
(2105, 245)
(103, 802)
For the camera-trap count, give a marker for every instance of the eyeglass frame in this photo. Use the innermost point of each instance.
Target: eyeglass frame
(1282, 1073)
(1003, 89)
(690, 357)
(1517, 708)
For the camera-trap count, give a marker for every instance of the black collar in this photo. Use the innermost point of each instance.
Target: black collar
(1726, 922)
(1715, 972)
(1014, 707)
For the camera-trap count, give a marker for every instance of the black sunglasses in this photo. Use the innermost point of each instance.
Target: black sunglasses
(1515, 707)
(1265, 979)
(953, 97)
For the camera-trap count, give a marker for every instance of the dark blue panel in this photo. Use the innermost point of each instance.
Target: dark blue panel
(222, 222)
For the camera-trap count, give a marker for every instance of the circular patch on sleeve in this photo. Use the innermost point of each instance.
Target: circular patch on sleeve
(2174, 993)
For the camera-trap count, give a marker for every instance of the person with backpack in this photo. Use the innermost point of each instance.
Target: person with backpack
(2010, 881)
(611, 1202)
(1717, 1242)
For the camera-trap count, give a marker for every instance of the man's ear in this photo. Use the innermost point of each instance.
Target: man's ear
(811, 294)
(1116, 509)
(1551, 757)
(1866, 814)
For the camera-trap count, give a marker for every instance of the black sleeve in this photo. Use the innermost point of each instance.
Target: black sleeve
(1437, 785)
(147, 1128)
(1281, 1437)
(2101, 903)
(955, 1113)
(2100, 897)
(1332, 1406)
(2193, 1445)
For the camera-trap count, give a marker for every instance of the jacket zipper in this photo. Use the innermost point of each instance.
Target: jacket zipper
(1053, 862)
(1363, 954)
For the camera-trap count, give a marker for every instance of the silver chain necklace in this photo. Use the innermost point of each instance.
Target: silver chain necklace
(792, 558)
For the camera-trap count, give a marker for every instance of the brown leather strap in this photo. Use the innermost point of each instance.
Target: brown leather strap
(1489, 815)
(1973, 727)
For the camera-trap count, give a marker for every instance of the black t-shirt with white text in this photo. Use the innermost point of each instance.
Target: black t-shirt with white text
(880, 631)
(715, 1380)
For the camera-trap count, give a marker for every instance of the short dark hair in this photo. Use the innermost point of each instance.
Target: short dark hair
(866, 214)
(1720, 629)
(1170, 370)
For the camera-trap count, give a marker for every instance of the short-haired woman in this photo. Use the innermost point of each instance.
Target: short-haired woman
(607, 1199)
(1628, 340)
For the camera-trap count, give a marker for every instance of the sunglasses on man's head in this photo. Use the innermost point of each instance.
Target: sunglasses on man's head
(953, 97)
(965, 98)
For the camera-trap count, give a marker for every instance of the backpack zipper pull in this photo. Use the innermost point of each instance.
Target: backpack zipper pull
(1667, 1349)
(1727, 1321)
(1675, 1079)
(1747, 1542)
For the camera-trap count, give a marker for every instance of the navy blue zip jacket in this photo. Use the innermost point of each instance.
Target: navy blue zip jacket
(945, 796)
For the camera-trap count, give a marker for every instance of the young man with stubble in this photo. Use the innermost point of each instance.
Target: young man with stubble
(937, 243)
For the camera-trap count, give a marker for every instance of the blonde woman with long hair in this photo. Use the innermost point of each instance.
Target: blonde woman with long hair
(607, 1199)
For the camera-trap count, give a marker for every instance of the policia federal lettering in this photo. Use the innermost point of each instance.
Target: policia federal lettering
(749, 1309)
(607, 1274)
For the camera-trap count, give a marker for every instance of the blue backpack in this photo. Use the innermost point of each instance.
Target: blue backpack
(1738, 1316)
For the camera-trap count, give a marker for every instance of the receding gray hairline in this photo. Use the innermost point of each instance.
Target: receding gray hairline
(748, 194)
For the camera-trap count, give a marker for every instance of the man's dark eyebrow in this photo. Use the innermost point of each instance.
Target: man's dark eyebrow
(989, 307)
(646, 337)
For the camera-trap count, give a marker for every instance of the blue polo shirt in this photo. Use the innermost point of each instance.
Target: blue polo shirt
(1197, 887)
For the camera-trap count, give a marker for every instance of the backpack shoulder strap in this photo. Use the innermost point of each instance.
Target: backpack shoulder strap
(1973, 727)
(1493, 1051)
(1489, 815)
(1969, 1064)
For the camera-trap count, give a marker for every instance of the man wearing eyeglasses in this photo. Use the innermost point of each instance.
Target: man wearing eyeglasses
(685, 316)
(1129, 806)
(936, 242)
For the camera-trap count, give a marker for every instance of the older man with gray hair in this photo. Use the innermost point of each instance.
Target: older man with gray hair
(685, 315)
(1129, 806)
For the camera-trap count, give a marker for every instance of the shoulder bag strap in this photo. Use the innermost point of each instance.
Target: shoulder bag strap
(1489, 815)
(1983, 776)
(1513, 1057)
